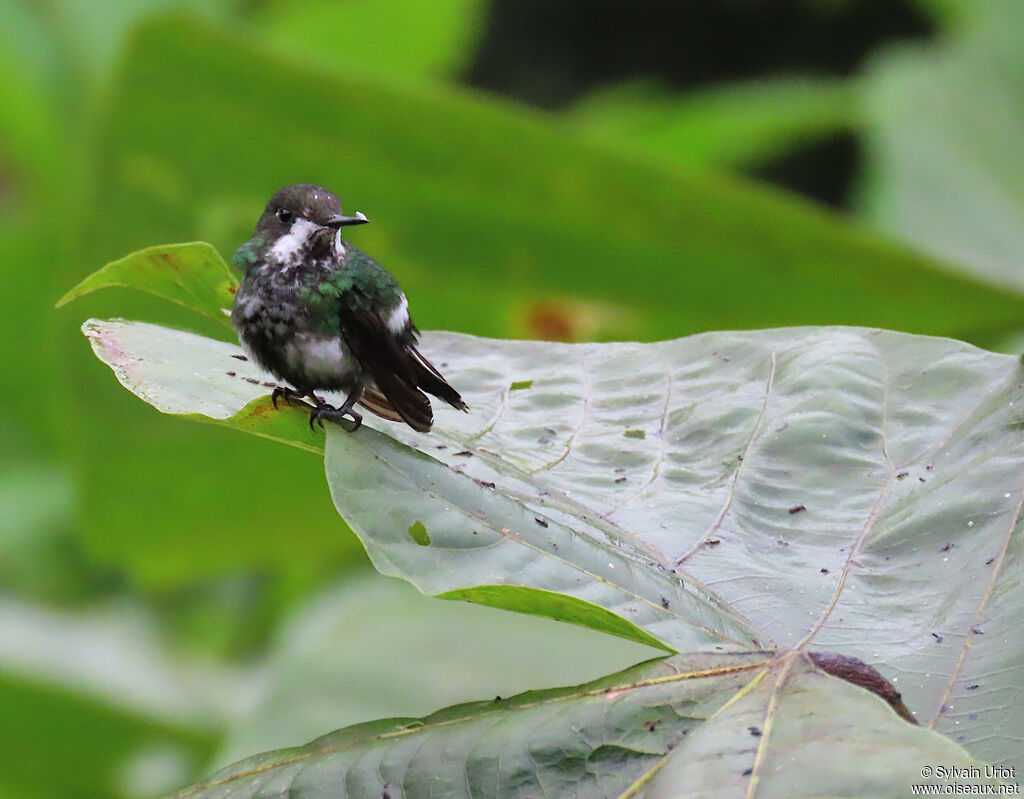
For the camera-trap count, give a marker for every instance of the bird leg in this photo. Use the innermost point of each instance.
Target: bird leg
(323, 410)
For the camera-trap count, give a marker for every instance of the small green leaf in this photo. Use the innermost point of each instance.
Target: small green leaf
(521, 385)
(193, 275)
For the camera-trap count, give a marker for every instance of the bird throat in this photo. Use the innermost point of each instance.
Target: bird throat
(307, 243)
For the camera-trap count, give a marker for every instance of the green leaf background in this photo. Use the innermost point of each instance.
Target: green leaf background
(125, 129)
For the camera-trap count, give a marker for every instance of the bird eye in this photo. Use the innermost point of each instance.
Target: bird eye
(285, 215)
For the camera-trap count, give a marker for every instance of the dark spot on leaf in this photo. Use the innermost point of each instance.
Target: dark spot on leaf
(635, 434)
(619, 470)
(230, 374)
(463, 454)
(419, 534)
(901, 475)
(747, 772)
(797, 508)
(859, 673)
(268, 384)
(543, 440)
(497, 699)
(739, 458)
(540, 521)
(977, 630)
(441, 446)
(550, 432)
(239, 357)
(651, 726)
(929, 467)
(252, 380)
(620, 479)
(945, 547)
(921, 479)
(664, 603)
(712, 542)
(755, 732)
(782, 543)
(384, 794)
(937, 637)
(519, 385)
(232, 289)
(782, 427)
(824, 571)
(485, 483)
(973, 687)
(990, 561)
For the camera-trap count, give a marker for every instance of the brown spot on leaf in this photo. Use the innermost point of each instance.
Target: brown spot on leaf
(797, 509)
(859, 673)
(239, 357)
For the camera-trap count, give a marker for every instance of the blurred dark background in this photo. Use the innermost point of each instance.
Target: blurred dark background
(552, 54)
(174, 596)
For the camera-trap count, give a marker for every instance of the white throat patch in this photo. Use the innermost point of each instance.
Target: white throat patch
(289, 248)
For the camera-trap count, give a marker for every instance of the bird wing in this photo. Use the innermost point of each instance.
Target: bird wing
(389, 363)
(399, 370)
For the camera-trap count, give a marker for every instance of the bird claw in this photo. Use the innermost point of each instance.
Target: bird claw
(329, 412)
(284, 391)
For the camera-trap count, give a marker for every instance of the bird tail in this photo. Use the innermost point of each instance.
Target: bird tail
(397, 401)
(431, 381)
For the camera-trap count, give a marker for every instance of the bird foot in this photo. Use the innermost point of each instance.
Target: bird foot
(329, 412)
(284, 391)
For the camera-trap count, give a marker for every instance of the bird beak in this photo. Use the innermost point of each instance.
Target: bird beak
(344, 221)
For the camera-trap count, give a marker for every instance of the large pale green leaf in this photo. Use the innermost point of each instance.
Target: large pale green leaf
(846, 489)
(699, 725)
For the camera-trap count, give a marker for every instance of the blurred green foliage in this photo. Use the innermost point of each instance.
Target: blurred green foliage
(130, 127)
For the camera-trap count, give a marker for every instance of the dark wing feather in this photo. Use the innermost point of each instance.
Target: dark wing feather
(398, 369)
(375, 402)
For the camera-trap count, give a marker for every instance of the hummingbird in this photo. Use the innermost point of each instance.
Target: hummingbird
(321, 315)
